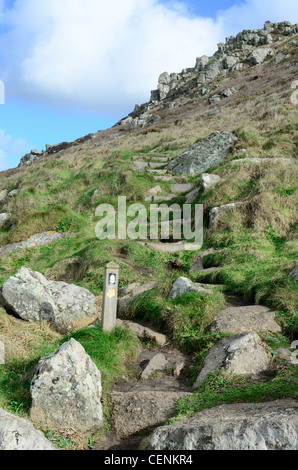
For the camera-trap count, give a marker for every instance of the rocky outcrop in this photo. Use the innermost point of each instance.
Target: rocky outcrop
(66, 391)
(243, 319)
(239, 354)
(19, 434)
(203, 155)
(241, 426)
(30, 296)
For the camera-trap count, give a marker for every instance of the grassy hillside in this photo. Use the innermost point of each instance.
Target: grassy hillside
(256, 246)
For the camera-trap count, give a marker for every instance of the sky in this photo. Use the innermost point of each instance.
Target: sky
(73, 67)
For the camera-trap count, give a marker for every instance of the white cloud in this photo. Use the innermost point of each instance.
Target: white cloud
(107, 55)
(10, 148)
(99, 54)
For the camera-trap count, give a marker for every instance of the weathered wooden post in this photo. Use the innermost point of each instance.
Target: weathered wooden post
(110, 297)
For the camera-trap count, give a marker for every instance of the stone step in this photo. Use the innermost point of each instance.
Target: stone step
(164, 178)
(182, 188)
(160, 172)
(149, 164)
(158, 198)
(165, 247)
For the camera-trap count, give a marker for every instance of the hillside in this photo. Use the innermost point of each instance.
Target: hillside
(232, 116)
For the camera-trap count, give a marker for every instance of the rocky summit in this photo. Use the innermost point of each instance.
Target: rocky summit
(200, 351)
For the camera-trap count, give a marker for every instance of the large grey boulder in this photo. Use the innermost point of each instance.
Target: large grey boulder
(66, 391)
(183, 285)
(19, 434)
(240, 354)
(240, 426)
(255, 318)
(204, 154)
(30, 296)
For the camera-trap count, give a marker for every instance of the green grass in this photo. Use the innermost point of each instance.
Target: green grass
(220, 388)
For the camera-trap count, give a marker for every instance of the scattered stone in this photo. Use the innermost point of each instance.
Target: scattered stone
(214, 99)
(183, 285)
(27, 159)
(4, 218)
(228, 92)
(204, 154)
(180, 365)
(216, 211)
(284, 354)
(154, 191)
(2, 354)
(123, 291)
(158, 362)
(30, 296)
(208, 181)
(198, 264)
(243, 319)
(39, 239)
(139, 411)
(66, 391)
(239, 354)
(13, 193)
(240, 426)
(144, 333)
(3, 196)
(19, 434)
(294, 274)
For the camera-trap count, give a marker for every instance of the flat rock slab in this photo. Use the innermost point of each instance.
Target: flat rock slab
(19, 434)
(241, 426)
(137, 411)
(39, 239)
(239, 354)
(144, 333)
(242, 319)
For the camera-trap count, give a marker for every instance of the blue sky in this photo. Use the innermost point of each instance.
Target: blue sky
(72, 67)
